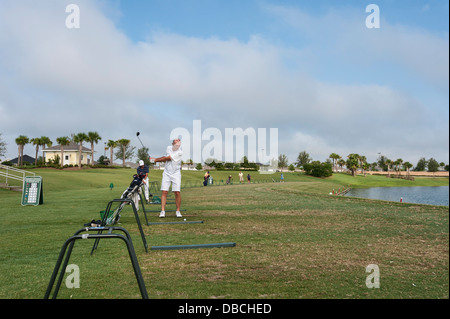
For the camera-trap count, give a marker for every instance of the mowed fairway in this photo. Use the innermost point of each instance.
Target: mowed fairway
(293, 240)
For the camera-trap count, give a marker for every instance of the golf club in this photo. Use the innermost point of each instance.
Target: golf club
(137, 134)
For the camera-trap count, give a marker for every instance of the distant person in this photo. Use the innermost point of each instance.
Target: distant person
(248, 178)
(281, 178)
(241, 177)
(206, 178)
(229, 179)
(142, 170)
(171, 175)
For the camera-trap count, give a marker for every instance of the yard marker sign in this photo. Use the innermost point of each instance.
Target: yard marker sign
(32, 191)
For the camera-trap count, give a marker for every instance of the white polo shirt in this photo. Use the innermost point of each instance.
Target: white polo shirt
(174, 166)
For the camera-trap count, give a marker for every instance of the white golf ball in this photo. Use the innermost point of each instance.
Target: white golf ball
(185, 219)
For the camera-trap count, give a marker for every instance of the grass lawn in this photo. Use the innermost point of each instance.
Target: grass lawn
(293, 240)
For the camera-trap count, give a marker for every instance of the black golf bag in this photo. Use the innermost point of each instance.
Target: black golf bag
(134, 187)
(132, 192)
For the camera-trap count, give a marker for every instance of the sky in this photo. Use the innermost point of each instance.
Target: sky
(313, 70)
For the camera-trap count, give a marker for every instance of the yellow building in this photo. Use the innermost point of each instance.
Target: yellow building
(70, 155)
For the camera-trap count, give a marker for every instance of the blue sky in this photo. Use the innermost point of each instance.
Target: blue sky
(312, 69)
(239, 19)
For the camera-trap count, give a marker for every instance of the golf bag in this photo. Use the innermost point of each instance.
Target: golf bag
(132, 192)
(134, 187)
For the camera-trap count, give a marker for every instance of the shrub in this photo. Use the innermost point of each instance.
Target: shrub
(318, 169)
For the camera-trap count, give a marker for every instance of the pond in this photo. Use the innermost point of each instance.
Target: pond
(435, 195)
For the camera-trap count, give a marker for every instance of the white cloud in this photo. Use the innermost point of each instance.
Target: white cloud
(61, 81)
(341, 35)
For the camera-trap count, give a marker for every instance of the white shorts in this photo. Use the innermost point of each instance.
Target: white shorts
(175, 180)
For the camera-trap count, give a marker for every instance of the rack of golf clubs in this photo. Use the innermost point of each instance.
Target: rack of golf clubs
(110, 218)
(131, 193)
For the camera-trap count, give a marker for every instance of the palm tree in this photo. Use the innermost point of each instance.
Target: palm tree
(80, 138)
(112, 145)
(93, 137)
(36, 141)
(365, 167)
(341, 162)
(398, 163)
(191, 162)
(335, 157)
(388, 163)
(362, 159)
(62, 141)
(45, 141)
(21, 141)
(352, 163)
(123, 143)
(408, 166)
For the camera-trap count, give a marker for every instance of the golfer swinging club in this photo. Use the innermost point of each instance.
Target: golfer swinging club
(171, 175)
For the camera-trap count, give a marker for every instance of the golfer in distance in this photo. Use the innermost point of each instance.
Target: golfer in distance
(171, 175)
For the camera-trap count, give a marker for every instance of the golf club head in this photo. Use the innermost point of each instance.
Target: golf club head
(137, 134)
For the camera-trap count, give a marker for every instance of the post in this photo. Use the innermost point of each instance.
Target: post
(216, 245)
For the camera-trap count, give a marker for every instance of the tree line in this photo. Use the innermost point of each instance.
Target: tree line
(335, 162)
(354, 162)
(92, 137)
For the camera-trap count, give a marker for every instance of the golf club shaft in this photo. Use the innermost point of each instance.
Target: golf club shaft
(137, 135)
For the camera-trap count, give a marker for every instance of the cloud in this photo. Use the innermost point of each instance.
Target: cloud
(59, 81)
(341, 34)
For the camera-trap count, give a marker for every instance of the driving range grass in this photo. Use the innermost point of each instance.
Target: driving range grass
(293, 240)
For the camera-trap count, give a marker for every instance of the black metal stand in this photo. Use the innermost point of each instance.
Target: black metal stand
(71, 242)
(122, 202)
(157, 211)
(143, 207)
(173, 247)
